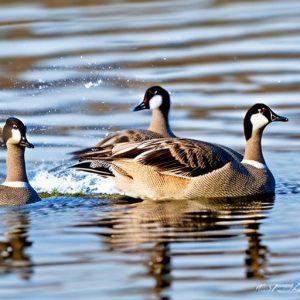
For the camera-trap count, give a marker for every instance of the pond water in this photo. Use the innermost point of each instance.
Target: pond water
(71, 70)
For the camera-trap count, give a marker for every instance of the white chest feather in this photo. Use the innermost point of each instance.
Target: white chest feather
(254, 163)
(16, 184)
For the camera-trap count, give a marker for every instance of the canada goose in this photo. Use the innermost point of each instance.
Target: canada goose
(156, 99)
(16, 190)
(170, 168)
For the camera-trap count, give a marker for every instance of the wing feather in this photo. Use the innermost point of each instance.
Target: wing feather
(104, 148)
(178, 157)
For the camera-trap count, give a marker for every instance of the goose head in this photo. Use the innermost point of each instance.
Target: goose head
(258, 117)
(155, 98)
(14, 133)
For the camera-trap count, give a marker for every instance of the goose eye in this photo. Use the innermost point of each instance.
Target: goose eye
(15, 126)
(262, 110)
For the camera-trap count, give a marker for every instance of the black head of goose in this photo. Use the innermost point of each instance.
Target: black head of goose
(16, 190)
(183, 168)
(255, 121)
(158, 100)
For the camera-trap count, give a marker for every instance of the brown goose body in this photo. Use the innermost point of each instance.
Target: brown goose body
(125, 136)
(232, 180)
(17, 195)
(187, 169)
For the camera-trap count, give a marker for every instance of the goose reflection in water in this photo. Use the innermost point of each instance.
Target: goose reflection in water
(158, 229)
(13, 245)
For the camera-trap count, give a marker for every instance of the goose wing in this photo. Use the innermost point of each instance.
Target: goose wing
(103, 149)
(180, 157)
(131, 135)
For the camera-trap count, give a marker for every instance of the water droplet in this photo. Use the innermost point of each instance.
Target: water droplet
(88, 85)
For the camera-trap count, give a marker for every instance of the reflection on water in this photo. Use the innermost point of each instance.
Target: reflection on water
(76, 248)
(157, 230)
(13, 257)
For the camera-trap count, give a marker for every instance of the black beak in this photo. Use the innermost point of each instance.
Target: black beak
(140, 106)
(25, 143)
(277, 118)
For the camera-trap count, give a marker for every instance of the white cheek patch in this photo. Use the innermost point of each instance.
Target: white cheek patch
(155, 102)
(258, 121)
(16, 136)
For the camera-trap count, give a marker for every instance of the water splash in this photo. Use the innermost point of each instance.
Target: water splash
(92, 84)
(71, 182)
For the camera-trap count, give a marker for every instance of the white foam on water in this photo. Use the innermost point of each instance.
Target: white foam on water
(72, 182)
(92, 84)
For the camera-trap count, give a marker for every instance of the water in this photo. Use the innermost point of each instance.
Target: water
(71, 70)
